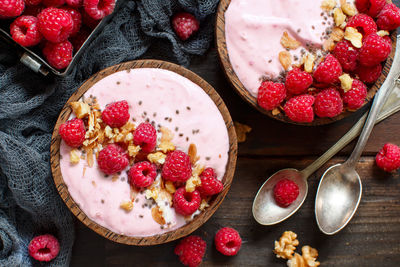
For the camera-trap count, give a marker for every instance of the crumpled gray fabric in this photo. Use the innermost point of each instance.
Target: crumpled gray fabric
(30, 104)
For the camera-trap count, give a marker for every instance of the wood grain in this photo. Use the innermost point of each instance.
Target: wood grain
(169, 236)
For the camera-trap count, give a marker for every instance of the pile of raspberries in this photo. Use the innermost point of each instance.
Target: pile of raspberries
(304, 95)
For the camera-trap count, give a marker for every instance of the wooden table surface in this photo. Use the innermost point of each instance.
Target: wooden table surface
(371, 238)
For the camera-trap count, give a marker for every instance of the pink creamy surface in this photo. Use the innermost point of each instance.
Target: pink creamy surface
(161, 94)
(253, 31)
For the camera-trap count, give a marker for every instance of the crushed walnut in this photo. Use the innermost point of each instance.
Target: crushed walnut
(351, 34)
(74, 156)
(346, 82)
(309, 62)
(194, 180)
(157, 215)
(285, 247)
(328, 5)
(285, 58)
(157, 158)
(339, 17)
(166, 140)
(289, 42)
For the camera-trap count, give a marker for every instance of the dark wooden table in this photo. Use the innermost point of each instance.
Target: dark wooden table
(371, 239)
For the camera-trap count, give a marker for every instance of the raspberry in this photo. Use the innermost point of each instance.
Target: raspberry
(76, 18)
(271, 95)
(112, 159)
(191, 250)
(363, 23)
(177, 167)
(145, 136)
(59, 55)
(73, 132)
(53, 3)
(370, 7)
(355, 97)
(78, 39)
(55, 24)
(297, 81)
(44, 247)
(98, 9)
(32, 2)
(11, 8)
(285, 192)
(388, 158)
(347, 55)
(116, 114)
(389, 18)
(228, 241)
(374, 50)
(24, 30)
(369, 74)
(185, 25)
(210, 185)
(186, 203)
(328, 71)
(142, 174)
(74, 3)
(299, 108)
(328, 103)
(90, 22)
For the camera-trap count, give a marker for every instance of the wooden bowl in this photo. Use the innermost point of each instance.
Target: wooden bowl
(231, 75)
(161, 238)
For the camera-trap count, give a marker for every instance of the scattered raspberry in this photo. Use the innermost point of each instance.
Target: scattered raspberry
(347, 55)
(328, 71)
(374, 50)
(370, 7)
(116, 114)
(142, 174)
(298, 81)
(389, 18)
(210, 185)
(90, 22)
(11, 8)
(285, 192)
(73, 132)
(328, 103)
(191, 250)
(58, 55)
(145, 136)
(32, 2)
(112, 159)
(388, 158)
(24, 30)
(227, 241)
(55, 24)
(98, 9)
(186, 203)
(78, 39)
(76, 18)
(363, 23)
(53, 3)
(355, 97)
(271, 95)
(74, 3)
(44, 247)
(369, 74)
(185, 25)
(177, 167)
(299, 108)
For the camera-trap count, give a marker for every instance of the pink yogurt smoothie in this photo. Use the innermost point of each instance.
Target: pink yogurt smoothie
(167, 99)
(254, 28)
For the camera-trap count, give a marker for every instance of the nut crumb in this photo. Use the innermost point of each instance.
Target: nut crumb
(192, 152)
(166, 140)
(348, 9)
(204, 204)
(157, 215)
(133, 150)
(157, 158)
(275, 111)
(115, 177)
(328, 5)
(285, 247)
(339, 17)
(382, 33)
(309, 62)
(337, 34)
(170, 187)
(74, 157)
(126, 205)
(346, 82)
(80, 109)
(289, 42)
(194, 180)
(351, 34)
(241, 131)
(89, 157)
(285, 58)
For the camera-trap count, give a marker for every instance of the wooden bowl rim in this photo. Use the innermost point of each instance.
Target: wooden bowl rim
(187, 228)
(244, 94)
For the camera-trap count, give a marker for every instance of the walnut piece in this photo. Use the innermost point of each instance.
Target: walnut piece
(80, 109)
(194, 180)
(204, 204)
(289, 42)
(74, 157)
(337, 34)
(309, 62)
(157, 215)
(285, 58)
(348, 9)
(274, 112)
(382, 33)
(296, 261)
(170, 187)
(328, 45)
(346, 82)
(351, 34)
(285, 247)
(126, 205)
(310, 256)
(241, 131)
(192, 152)
(339, 17)
(133, 150)
(328, 5)
(157, 158)
(166, 140)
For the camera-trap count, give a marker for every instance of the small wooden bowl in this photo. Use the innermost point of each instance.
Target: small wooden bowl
(169, 236)
(236, 83)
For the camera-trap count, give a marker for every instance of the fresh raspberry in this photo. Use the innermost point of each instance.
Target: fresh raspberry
(73, 132)
(300, 108)
(112, 159)
(33, 2)
(53, 3)
(369, 74)
(11, 8)
(177, 167)
(210, 185)
(270, 95)
(355, 97)
(98, 9)
(363, 23)
(328, 71)
(74, 3)
(328, 103)
(347, 55)
(228, 241)
(191, 250)
(389, 18)
(285, 192)
(87, 20)
(374, 50)
(370, 7)
(76, 18)
(186, 203)
(78, 39)
(116, 114)
(185, 25)
(298, 81)
(44, 247)
(388, 158)
(55, 24)
(59, 55)
(142, 174)
(24, 30)
(145, 136)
